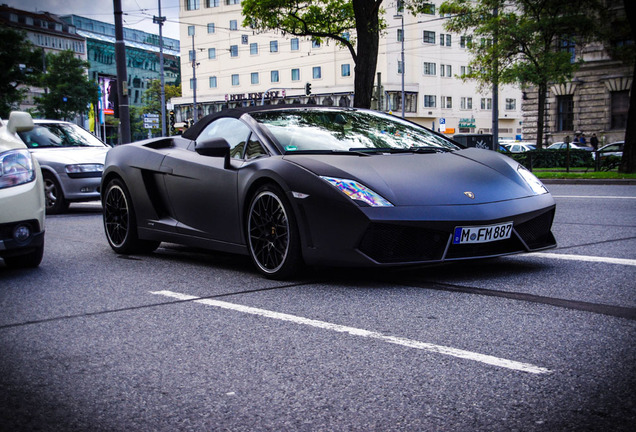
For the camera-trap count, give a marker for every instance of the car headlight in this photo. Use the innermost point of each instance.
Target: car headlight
(84, 168)
(16, 168)
(357, 191)
(532, 180)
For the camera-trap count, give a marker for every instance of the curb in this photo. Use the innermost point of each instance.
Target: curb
(590, 181)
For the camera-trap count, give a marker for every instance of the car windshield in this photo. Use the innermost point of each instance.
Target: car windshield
(318, 130)
(57, 135)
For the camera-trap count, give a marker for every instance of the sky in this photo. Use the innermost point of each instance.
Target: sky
(137, 13)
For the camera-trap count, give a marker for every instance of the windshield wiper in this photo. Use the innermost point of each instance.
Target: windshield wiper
(354, 152)
(426, 149)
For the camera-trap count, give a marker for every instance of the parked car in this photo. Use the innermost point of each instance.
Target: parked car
(292, 185)
(21, 196)
(72, 161)
(613, 149)
(561, 146)
(519, 147)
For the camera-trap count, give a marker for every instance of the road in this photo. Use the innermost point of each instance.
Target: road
(196, 341)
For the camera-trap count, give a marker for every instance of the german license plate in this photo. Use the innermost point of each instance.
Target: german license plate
(482, 234)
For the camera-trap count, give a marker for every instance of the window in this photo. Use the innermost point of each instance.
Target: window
(620, 106)
(295, 74)
(429, 68)
(465, 41)
(447, 102)
(274, 76)
(400, 35)
(212, 82)
(511, 104)
(254, 77)
(565, 113)
(448, 40)
(233, 25)
(427, 8)
(445, 39)
(212, 53)
(254, 148)
(466, 103)
(253, 48)
(212, 3)
(430, 101)
(190, 30)
(273, 46)
(317, 72)
(486, 103)
(429, 37)
(295, 44)
(315, 43)
(191, 4)
(232, 2)
(466, 70)
(235, 79)
(569, 46)
(234, 51)
(234, 131)
(345, 70)
(446, 70)
(211, 28)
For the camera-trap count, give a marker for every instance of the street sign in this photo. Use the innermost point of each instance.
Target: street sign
(442, 125)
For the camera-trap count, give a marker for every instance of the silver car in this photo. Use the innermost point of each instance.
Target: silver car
(72, 161)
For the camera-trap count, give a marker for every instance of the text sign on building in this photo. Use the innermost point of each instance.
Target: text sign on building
(466, 122)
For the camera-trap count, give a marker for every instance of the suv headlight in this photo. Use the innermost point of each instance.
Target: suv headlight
(16, 168)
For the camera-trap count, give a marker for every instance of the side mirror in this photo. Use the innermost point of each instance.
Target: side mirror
(218, 147)
(19, 121)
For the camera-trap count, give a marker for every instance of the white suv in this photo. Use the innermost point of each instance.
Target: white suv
(21, 196)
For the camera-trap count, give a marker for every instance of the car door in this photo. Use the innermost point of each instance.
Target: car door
(202, 191)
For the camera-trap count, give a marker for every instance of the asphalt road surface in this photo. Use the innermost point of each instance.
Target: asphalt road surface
(187, 340)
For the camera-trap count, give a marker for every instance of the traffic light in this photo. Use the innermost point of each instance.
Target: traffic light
(308, 89)
(172, 129)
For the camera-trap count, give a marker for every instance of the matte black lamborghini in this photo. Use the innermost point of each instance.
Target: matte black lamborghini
(293, 185)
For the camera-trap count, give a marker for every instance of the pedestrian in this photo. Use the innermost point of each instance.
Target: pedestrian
(583, 141)
(594, 141)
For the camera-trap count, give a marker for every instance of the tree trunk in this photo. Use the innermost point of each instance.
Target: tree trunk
(628, 163)
(541, 114)
(368, 35)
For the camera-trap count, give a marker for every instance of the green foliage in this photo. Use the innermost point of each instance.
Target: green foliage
(554, 158)
(152, 96)
(69, 91)
(21, 65)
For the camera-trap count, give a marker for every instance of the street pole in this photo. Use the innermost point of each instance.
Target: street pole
(122, 75)
(159, 20)
(495, 87)
(403, 65)
(194, 81)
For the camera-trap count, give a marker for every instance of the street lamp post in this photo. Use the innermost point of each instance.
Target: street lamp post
(159, 20)
(194, 80)
(400, 15)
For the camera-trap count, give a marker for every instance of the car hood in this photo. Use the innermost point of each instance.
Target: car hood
(427, 179)
(70, 155)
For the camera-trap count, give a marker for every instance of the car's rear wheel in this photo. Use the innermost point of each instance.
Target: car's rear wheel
(53, 195)
(272, 234)
(120, 223)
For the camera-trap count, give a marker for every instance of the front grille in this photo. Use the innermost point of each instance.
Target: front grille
(536, 232)
(474, 250)
(386, 243)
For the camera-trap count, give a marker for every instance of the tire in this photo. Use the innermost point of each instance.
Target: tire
(120, 224)
(53, 195)
(272, 234)
(29, 260)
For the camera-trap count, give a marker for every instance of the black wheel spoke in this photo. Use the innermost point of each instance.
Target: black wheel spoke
(268, 230)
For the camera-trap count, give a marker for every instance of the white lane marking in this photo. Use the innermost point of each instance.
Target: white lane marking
(439, 349)
(594, 197)
(586, 258)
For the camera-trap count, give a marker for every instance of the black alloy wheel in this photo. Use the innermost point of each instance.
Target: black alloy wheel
(119, 221)
(273, 238)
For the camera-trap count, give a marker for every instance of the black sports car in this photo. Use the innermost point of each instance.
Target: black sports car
(293, 185)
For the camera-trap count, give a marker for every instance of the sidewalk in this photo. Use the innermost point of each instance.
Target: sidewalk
(590, 181)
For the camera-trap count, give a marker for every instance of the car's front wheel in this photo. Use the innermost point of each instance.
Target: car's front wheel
(120, 223)
(53, 195)
(272, 234)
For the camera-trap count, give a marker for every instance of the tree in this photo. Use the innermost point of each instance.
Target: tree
(21, 65)
(68, 91)
(331, 19)
(152, 96)
(524, 41)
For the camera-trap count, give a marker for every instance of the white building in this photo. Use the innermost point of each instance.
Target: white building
(235, 66)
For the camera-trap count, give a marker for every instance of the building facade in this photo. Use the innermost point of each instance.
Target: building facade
(595, 101)
(224, 64)
(45, 31)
